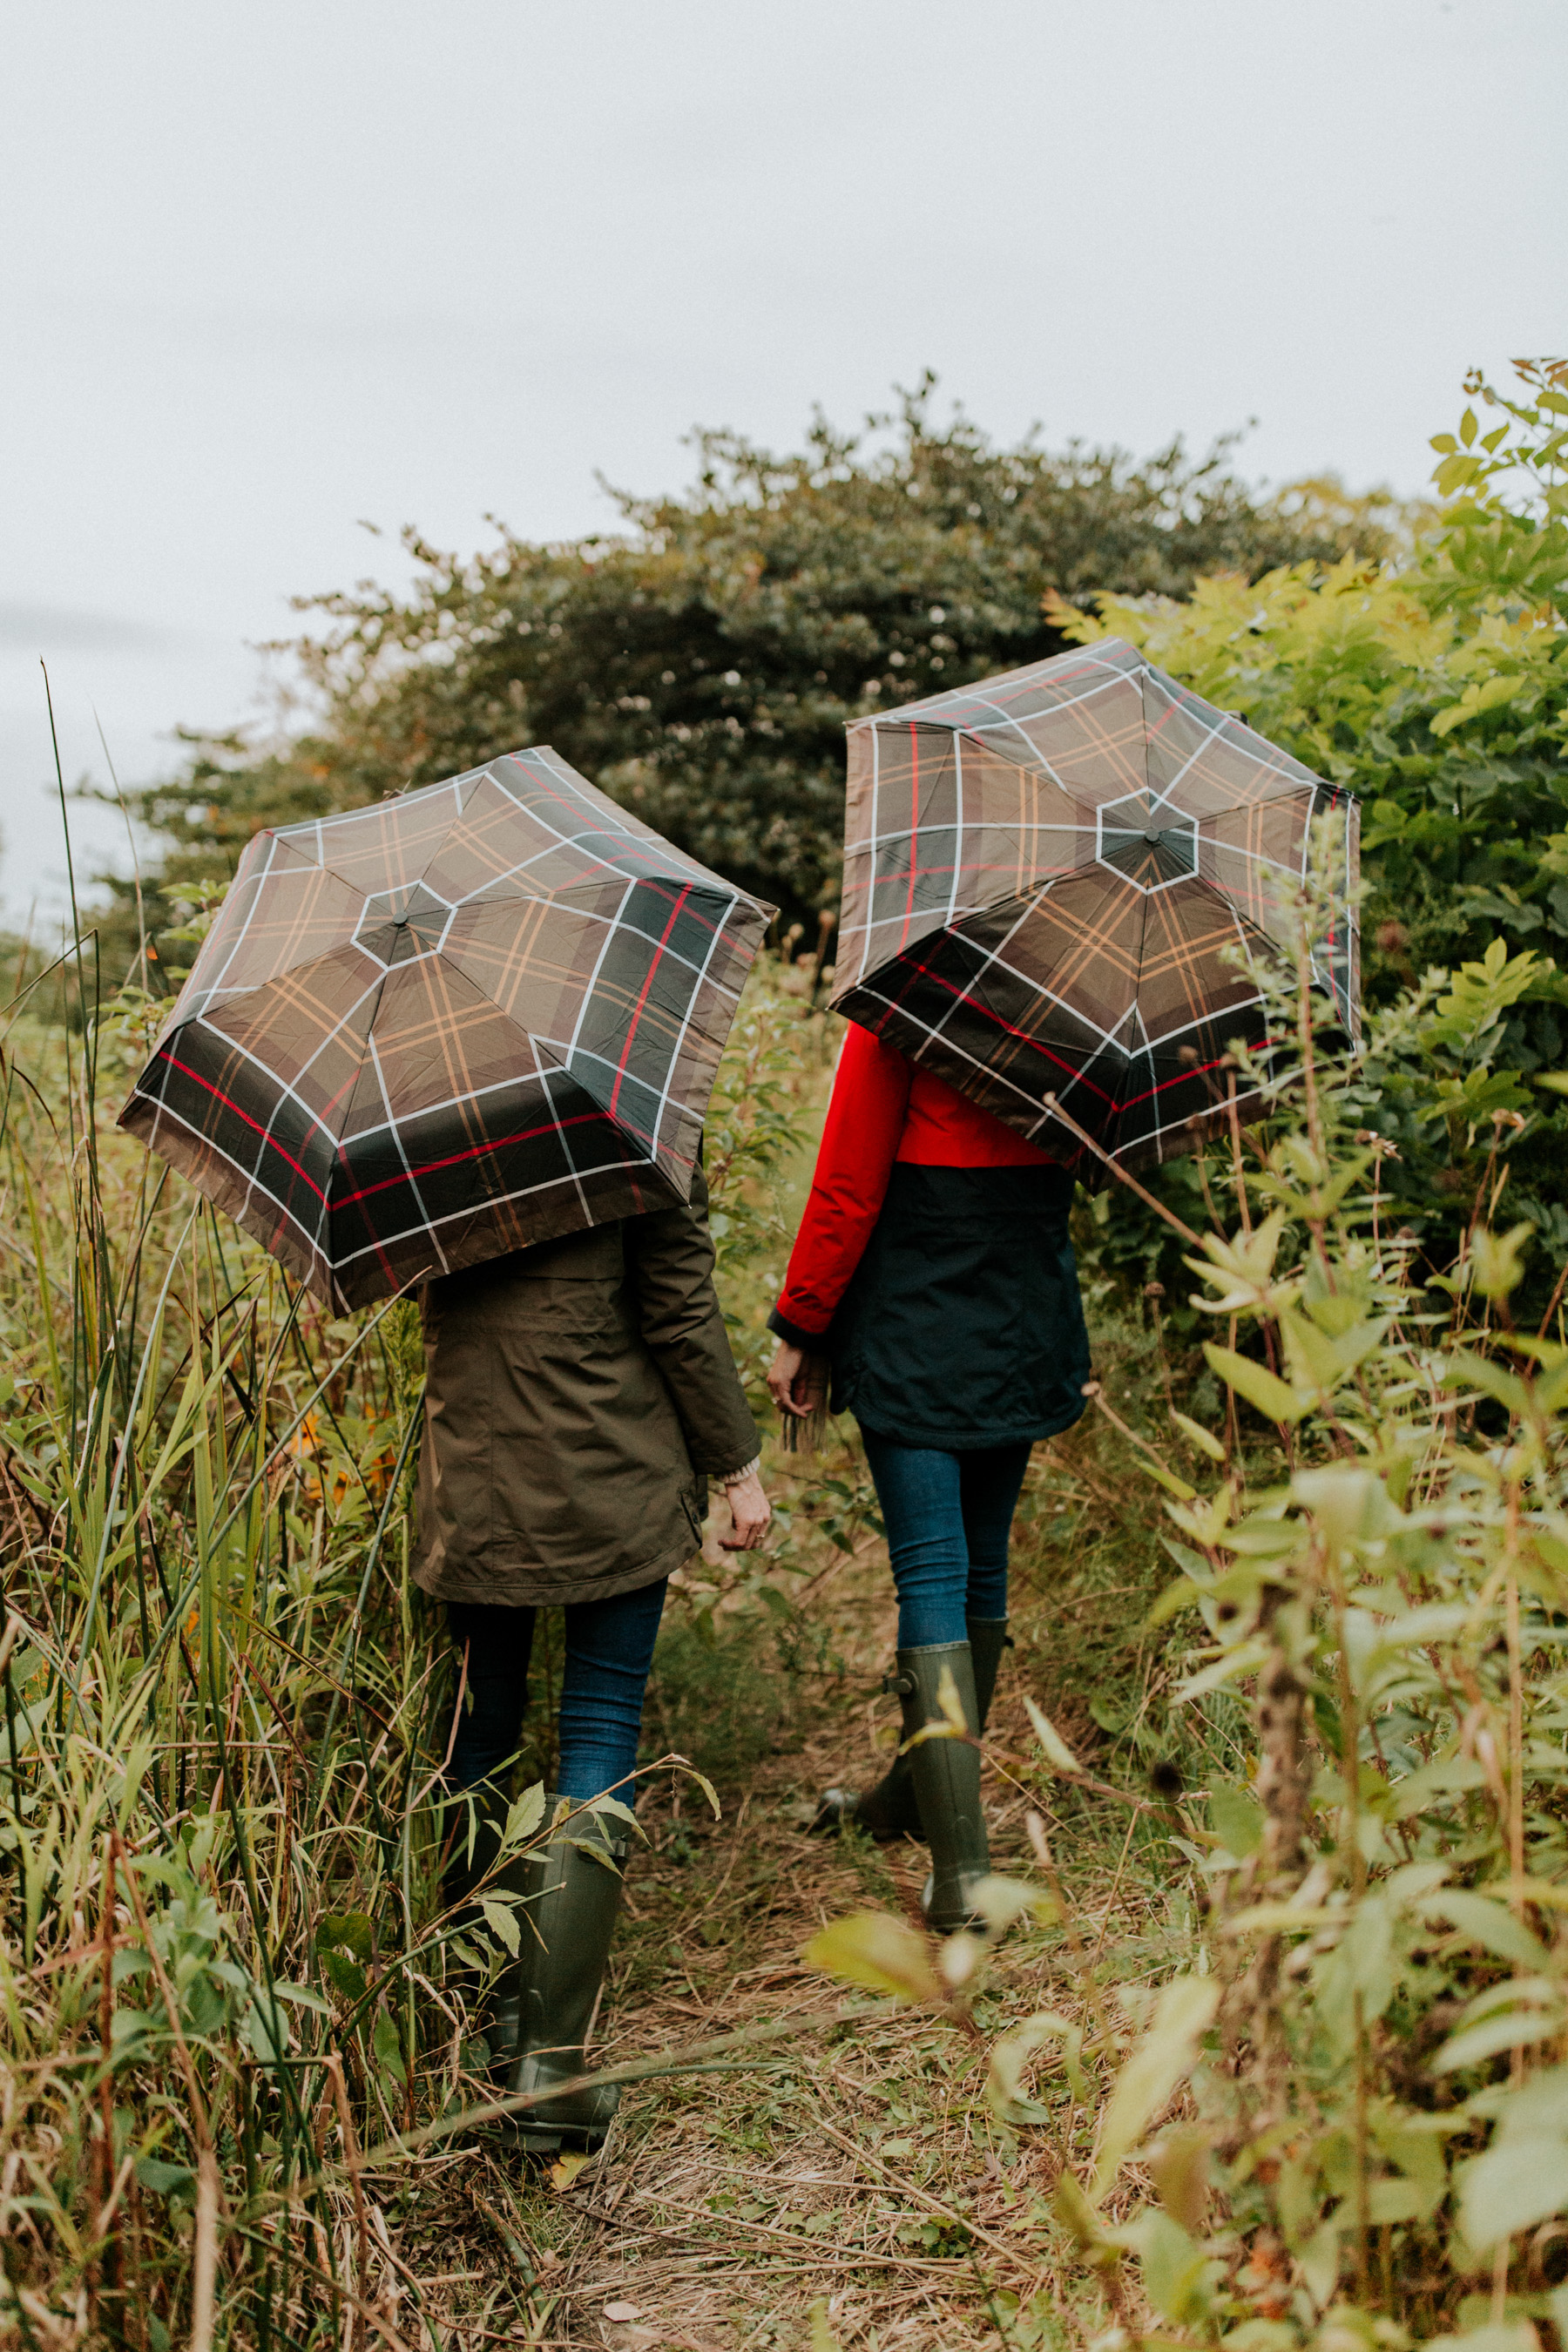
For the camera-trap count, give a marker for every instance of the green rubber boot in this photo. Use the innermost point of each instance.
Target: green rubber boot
(567, 1924)
(946, 1776)
(889, 1811)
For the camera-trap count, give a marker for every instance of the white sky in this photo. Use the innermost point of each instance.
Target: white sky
(271, 270)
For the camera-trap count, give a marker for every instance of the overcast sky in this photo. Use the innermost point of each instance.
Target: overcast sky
(275, 270)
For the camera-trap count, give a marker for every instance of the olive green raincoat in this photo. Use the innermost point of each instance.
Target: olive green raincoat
(578, 1397)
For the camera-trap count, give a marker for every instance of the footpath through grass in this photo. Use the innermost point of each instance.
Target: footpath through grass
(845, 2179)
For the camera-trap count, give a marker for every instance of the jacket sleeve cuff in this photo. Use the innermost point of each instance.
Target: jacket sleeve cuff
(815, 1343)
(720, 1465)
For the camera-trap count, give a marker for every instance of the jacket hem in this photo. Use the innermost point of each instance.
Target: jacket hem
(980, 1440)
(527, 1585)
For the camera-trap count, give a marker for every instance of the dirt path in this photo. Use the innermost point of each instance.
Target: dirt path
(845, 2184)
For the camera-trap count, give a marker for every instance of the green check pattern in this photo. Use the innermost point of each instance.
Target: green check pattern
(1046, 876)
(433, 1031)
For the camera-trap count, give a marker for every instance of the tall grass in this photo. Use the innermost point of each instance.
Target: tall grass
(224, 1974)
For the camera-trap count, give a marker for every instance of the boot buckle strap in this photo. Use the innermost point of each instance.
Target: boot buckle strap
(897, 1686)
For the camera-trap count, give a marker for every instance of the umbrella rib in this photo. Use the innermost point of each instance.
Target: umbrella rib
(396, 1132)
(575, 1051)
(286, 1091)
(719, 931)
(252, 1182)
(384, 1242)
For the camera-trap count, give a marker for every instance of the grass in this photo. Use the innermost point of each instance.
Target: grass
(856, 2167)
(859, 2169)
(236, 2105)
(223, 1972)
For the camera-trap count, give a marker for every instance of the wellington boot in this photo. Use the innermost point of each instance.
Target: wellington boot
(946, 1776)
(492, 2010)
(890, 1809)
(566, 1926)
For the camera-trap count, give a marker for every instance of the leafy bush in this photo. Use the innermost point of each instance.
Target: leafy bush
(1343, 2122)
(1436, 688)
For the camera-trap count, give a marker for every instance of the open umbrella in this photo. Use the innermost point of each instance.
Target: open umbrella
(1044, 875)
(429, 1031)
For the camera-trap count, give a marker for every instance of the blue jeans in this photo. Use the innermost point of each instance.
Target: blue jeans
(609, 1649)
(948, 1516)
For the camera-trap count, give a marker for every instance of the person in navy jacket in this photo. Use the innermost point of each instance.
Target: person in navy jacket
(934, 1272)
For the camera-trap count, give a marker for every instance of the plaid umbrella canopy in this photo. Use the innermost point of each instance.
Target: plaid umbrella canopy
(422, 1035)
(1040, 873)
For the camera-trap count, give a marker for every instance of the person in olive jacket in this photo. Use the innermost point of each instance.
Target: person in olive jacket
(579, 1397)
(934, 1273)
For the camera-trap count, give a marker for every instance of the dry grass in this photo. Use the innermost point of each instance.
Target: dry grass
(850, 2182)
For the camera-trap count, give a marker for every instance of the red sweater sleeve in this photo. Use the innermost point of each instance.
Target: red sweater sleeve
(854, 1161)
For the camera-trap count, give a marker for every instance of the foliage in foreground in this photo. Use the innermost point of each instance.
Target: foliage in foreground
(1345, 2122)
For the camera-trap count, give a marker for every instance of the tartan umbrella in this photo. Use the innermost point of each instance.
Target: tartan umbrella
(427, 1033)
(1042, 874)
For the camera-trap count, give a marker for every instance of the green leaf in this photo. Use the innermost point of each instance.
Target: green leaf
(386, 2045)
(501, 1920)
(611, 1808)
(873, 1948)
(1479, 1372)
(1256, 1383)
(1449, 1776)
(1177, 2272)
(1000, 1901)
(1161, 2059)
(1512, 2187)
(1515, 2028)
(345, 1976)
(1498, 1259)
(1075, 2212)
(1489, 1925)
(1182, 1594)
(266, 2030)
(1237, 1819)
(1058, 1754)
(302, 1996)
(1178, 2168)
(352, 1929)
(165, 2179)
(1204, 1439)
(525, 1815)
(1245, 1659)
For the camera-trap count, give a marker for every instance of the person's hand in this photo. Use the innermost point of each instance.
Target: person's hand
(749, 1511)
(787, 1381)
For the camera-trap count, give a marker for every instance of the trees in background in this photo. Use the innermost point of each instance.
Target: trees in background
(701, 665)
